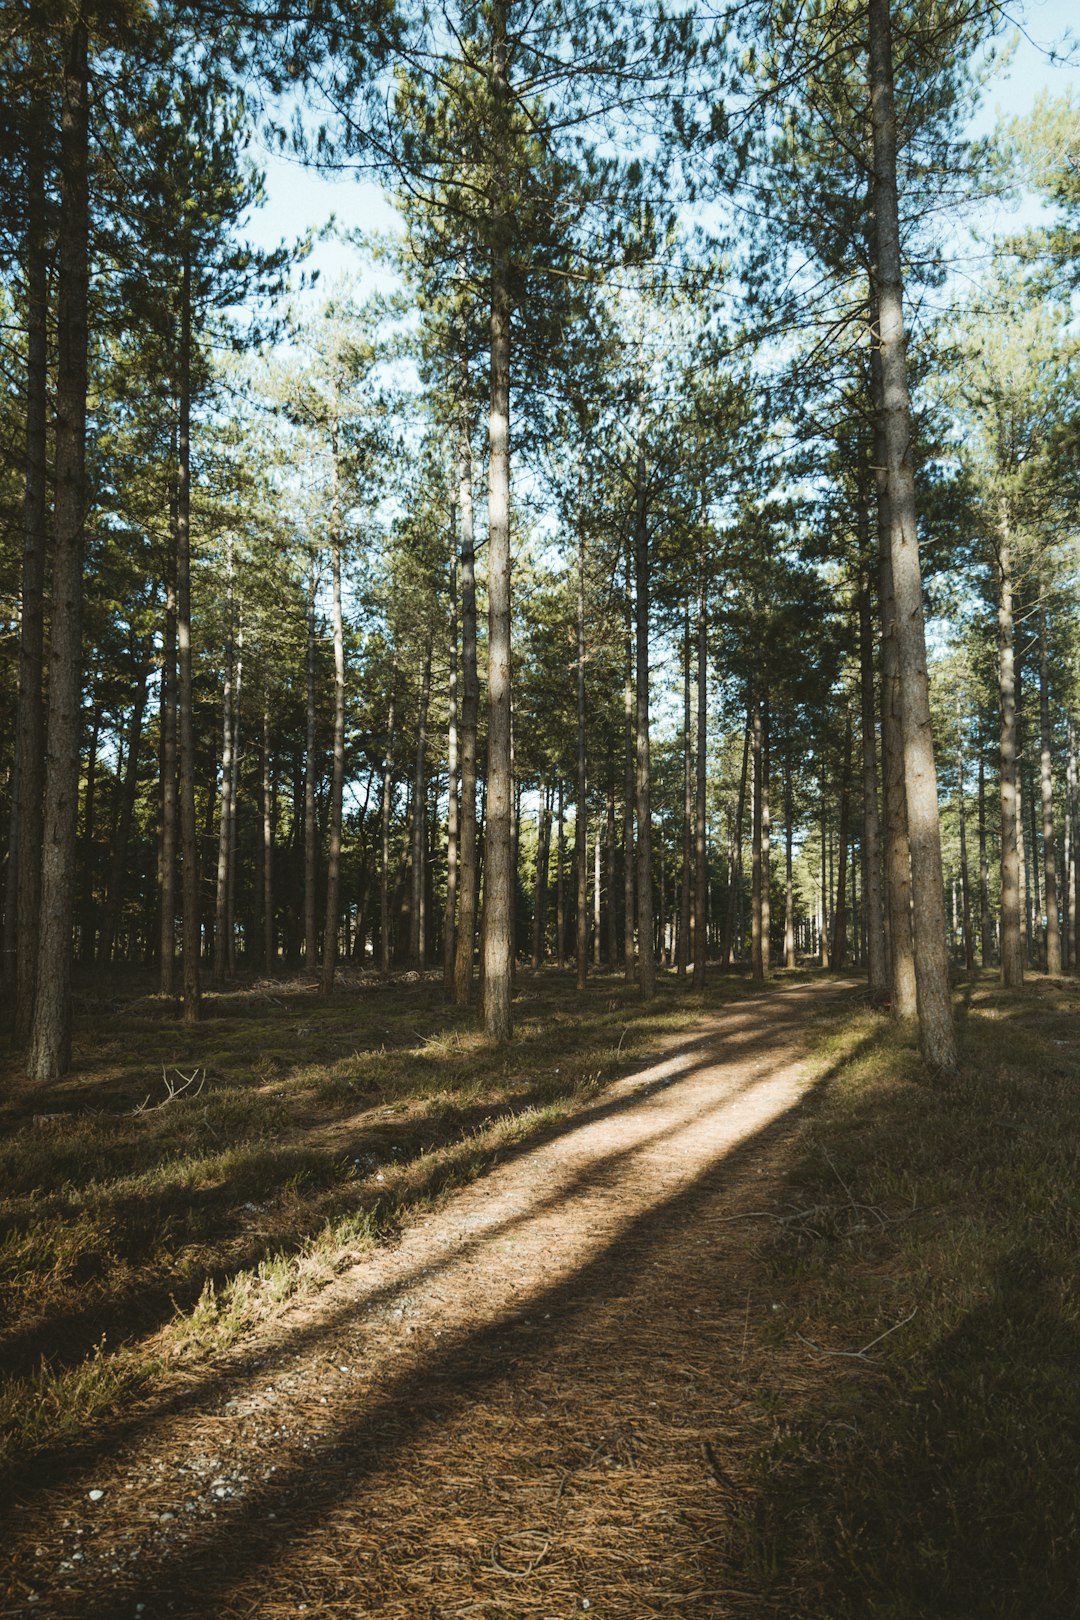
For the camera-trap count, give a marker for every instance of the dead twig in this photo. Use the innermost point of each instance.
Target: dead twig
(173, 1090)
(517, 1574)
(859, 1355)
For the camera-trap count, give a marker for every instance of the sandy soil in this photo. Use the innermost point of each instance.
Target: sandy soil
(535, 1404)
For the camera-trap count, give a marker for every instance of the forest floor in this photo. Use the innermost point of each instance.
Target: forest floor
(769, 1324)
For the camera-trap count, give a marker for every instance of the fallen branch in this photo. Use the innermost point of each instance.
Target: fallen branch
(173, 1091)
(858, 1355)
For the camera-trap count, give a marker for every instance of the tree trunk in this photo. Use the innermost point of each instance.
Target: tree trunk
(1046, 781)
(985, 936)
(234, 800)
(757, 955)
(384, 861)
(686, 882)
(581, 820)
(965, 886)
(824, 931)
(560, 885)
(629, 954)
(450, 914)
(168, 703)
(269, 943)
(877, 974)
(468, 881)
(790, 958)
(1072, 876)
(701, 852)
(24, 863)
(416, 902)
(498, 945)
(189, 838)
(642, 782)
(937, 1036)
(50, 1037)
(89, 863)
(337, 776)
(222, 886)
(838, 954)
(310, 829)
(543, 855)
(610, 836)
(735, 863)
(1012, 946)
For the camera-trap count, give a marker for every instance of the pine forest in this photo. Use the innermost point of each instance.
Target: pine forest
(539, 808)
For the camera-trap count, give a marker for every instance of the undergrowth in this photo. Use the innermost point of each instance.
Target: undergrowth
(180, 1185)
(923, 1376)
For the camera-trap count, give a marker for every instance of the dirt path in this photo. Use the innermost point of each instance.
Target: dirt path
(534, 1404)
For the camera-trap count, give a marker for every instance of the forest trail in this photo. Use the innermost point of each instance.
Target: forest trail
(534, 1404)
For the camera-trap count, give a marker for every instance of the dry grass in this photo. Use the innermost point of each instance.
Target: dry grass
(933, 1228)
(142, 1222)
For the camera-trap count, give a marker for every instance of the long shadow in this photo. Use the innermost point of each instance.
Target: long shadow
(64, 1338)
(49, 1467)
(196, 1580)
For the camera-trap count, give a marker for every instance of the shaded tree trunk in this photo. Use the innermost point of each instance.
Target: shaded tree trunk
(610, 840)
(416, 903)
(168, 721)
(269, 944)
(965, 886)
(384, 842)
(629, 954)
(310, 828)
(877, 973)
(790, 958)
(540, 892)
(701, 853)
(838, 953)
(22, 901)
(735, 861)
(189, 845)
(686, 883)
(581, 821)
(985, 936)
(221, 889)
(50, 1036)
(560, 885)
(122, 835)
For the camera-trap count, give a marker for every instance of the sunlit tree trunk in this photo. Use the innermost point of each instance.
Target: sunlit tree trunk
(384, 841)
(838, 953)
(877, 975)
(701, 852)
(629, 955)
(468, 879)
(269, 946)
(642, 777)
(224, 828)
(937, 1036)
(686, 876)
(581, 820)
(961, 808)
(189, 847)
(540, 891)
(450, 914)
(416, 901)
(560, 883)
(1012, 946)
(310, 827)
(757, 953)
(790, 958)
(732, 913)
(1072, 880)
(985, 930)
(1046, 782)
(168, 718)
(824, 930)
(337, 773)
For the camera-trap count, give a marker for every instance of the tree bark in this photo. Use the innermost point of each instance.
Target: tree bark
(337, 775)
(1012, 946)
(416, 903)
(189, 841)
(629, 953)
(540, 891)
(24, 863)
(686, 881)
(450, 914)
(581, 820)
(610, 839)
(757, 954)
(965, 886)
(790, 958)
(468, 881)
(877, 974)
(701, 760)
(498, 943)
(269, 943)
(224, 829)
(1046, 782)
(937, 1035)
(824, 931)
(310, 829)
(168, 702)
(50, 1036)
(642, 780)
(384, 862)
(838, 954)
(1072, 876)
(735, 864)
(560, 884)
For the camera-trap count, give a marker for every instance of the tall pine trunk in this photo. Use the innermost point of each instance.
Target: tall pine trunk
(965, 883)
(24, 863)
(384, 841)
(224, 828)
(646, 943)
(937, 1035)
(790, 958)
(838, 954)
(311, 837)
(50, 1036)
(189, 840)
(469, 879)
(543, 855)
(735, 860)
(417, 939)
(877, 975)
(450, 914)
(581, 821)
(1046, 783)
(757, 953)
(168, 697)
(337, 774)
(114, 894)
(266, 805)
(629, 955)
(1012, 945)
(701, 852)
(686, 876)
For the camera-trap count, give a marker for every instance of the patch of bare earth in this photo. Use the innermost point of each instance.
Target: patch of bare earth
(535, 1403)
